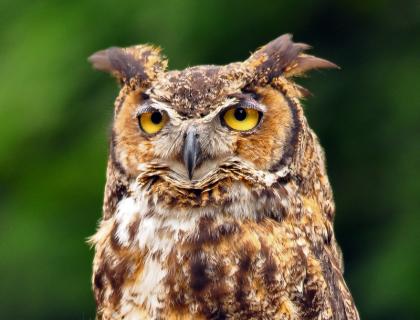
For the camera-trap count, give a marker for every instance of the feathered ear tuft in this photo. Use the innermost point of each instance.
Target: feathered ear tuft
(283, 57)
(135, 66)
(306, 62)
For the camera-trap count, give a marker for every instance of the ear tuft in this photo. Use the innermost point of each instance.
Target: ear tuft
(306, 62)
(134, 66)
(283, 57)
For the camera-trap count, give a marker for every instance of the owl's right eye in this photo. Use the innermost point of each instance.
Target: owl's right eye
(152, 122)
(241, 119)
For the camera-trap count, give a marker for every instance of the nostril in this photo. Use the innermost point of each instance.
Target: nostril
(197, 135)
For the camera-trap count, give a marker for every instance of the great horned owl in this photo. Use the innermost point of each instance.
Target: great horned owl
(217, 202)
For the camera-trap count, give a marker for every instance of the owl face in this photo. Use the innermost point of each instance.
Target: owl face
(254, 126)
(185, 127)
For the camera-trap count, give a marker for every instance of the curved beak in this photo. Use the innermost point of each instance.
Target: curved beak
(191, 151)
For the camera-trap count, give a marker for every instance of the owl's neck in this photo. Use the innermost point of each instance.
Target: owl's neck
(144, 223)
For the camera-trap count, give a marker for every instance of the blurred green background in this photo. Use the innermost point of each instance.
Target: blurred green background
(55, 116)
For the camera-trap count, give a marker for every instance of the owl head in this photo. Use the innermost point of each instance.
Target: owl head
(190, 135)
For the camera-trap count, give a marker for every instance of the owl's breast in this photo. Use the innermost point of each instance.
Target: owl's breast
(208, 266)
(233, 269)
(236, 269)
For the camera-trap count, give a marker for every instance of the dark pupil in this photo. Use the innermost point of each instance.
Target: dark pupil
(240, 114)
(156, 117)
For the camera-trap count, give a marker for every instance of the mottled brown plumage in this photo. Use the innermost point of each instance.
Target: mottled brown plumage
(203, 221)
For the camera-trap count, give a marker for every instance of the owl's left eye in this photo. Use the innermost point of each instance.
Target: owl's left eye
(241, 119)
(153, 121)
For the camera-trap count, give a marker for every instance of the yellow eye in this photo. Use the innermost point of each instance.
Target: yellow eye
(241, 119)
(152, 122)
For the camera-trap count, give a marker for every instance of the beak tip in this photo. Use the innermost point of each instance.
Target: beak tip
(190, 174)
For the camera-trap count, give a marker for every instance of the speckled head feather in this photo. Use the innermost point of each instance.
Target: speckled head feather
(196, 91)
(217, 203)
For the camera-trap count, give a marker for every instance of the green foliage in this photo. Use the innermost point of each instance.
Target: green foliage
(56, 111)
